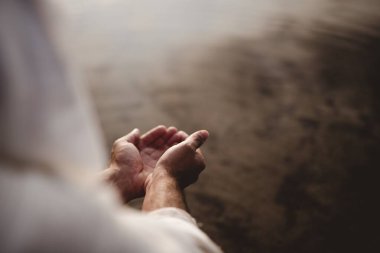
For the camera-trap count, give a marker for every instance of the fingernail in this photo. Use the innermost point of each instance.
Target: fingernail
(205, 134)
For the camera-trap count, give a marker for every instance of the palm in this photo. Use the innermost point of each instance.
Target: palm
(135, 157)
(150, 155)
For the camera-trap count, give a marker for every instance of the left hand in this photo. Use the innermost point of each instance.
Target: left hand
(134, 157)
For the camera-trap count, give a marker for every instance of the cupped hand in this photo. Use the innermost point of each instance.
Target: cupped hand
(134, 157)
(183, 161)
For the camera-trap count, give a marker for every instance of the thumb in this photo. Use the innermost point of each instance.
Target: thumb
(133, 137)
(196, 139)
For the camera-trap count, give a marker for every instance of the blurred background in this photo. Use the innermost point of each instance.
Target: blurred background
(289, 90)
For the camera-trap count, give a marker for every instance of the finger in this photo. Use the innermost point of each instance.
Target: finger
(153, 135)
(133, 136)
(163, 141)
(177, 138)
(171, 131)
(183, 135)
(169, 134)
(159, 142)
(197, 139)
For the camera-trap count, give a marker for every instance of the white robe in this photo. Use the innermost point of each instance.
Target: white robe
(45, 213)
(46, 202)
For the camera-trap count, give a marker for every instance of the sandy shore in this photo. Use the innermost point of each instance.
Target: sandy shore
(292, 112)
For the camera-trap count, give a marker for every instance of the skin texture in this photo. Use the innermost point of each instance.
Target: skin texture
(161, 163)
(177, 168)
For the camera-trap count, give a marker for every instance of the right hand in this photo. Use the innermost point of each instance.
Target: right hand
(184, 161)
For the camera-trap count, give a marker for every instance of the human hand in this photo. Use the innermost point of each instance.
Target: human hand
(134, 157)
(183, 161)
(155, 142)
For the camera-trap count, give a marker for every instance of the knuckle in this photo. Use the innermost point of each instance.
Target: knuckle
(198, 138)
(117, 142)
(189, 147)
(197, 141)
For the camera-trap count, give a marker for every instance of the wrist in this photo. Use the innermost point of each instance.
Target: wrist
(163, 190)
(124, 187)
(159, 174)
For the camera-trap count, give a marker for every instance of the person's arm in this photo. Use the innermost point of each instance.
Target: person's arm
(163, 191)
(176, 169)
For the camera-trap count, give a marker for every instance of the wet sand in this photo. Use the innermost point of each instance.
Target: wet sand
(292, 110)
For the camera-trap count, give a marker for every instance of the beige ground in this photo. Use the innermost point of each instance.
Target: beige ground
(292, 110)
